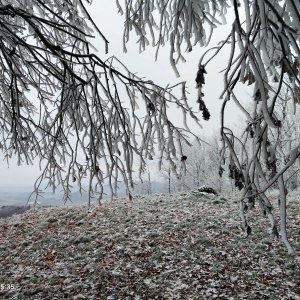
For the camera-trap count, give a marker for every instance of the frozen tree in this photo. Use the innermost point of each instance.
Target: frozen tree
(201, 167)
(203, 164)
(264, 53)
(87, 120)
(84, 117)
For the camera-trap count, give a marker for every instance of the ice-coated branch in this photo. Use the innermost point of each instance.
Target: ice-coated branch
(263, 54)
(87, 120)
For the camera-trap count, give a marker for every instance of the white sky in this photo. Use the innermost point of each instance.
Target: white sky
(111, 24)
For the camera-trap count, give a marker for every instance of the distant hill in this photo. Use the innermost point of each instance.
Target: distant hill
(19, 195)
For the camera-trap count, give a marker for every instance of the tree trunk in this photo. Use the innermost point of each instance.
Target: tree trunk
(267, 207)
(149, 183)
(282, 208)
(245, 227)
(169, 174)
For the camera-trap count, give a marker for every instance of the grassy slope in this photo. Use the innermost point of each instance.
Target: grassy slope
(175, 247)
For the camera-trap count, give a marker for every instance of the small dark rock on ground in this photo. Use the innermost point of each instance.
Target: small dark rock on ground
(207, 189)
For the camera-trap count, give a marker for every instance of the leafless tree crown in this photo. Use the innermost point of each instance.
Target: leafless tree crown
(85, 119)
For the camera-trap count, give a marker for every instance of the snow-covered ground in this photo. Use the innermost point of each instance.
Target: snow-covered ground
(181, 246)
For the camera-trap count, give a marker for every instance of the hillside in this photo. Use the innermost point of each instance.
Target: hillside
(165, 247)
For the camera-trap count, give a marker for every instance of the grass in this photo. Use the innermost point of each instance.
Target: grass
(172, 247)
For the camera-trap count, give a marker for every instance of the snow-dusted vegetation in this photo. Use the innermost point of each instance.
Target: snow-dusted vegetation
(92, 123)
(179, 246)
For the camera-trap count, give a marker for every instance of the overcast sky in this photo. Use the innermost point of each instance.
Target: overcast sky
(111, 24)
